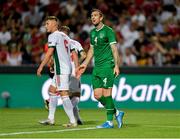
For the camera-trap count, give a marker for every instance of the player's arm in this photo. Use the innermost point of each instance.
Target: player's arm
(90, 53)
(50, 65)
(74, 54)
(45, 60)
(80, 50)
(75, 58)
(50, 62)
(112, 40)
(116, 59)
(76, 62)
(83, 66)
(81, 59)
(89, 56)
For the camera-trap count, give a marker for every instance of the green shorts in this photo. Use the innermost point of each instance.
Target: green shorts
(103, 78)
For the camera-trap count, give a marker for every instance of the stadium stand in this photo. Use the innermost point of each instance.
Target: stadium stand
(148, 32)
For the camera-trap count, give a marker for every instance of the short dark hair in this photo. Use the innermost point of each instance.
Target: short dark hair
(65, 28)
(97, 10)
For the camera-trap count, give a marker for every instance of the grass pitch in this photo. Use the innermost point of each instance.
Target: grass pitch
(23, 123)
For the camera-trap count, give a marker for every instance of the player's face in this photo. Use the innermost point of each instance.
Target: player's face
(96, 18)
(50, 25)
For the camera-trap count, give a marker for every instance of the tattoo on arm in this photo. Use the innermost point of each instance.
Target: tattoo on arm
(115, 55)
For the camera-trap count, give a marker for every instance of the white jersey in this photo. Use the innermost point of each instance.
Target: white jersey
(76, 45)
(78, 48)
(61, 44)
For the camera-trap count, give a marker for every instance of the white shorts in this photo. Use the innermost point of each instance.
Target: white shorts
(61, 82)
(75, 85)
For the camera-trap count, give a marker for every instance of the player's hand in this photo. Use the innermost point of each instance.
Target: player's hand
(39, 70)
(80, 70)
(116, 71)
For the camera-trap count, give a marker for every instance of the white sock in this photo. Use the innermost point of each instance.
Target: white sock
(117, 112)
(68, 108)
(75, 101)
(52, 106)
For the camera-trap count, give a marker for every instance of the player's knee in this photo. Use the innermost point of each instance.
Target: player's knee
(64, 93)
(97, 93)
(75, 101)
(52, 89)
(97, 96)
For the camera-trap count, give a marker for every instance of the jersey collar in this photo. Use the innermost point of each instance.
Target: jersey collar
(100, 28)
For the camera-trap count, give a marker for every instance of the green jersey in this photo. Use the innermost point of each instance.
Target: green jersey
(101, 41)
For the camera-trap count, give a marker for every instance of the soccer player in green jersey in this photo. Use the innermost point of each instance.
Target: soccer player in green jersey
(103, 47)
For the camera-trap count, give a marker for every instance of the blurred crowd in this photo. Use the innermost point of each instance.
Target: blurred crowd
(148, 31)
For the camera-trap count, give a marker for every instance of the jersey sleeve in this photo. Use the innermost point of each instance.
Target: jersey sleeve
(79, 47)
(52, 40)
(76, 46)
(72, 47)
(111, 36)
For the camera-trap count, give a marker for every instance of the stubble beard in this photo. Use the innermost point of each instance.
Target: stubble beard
(96, 24)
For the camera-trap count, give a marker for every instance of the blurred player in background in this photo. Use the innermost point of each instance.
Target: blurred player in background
(59, 47)
(102, 41)
(75, 85)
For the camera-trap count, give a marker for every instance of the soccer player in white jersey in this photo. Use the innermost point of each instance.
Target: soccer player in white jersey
(59, 48)
(75, 85)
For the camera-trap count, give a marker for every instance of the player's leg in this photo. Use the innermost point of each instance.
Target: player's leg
(106, 80)
(68, 108)
(53, 98)
(52, 106)
(75, 89)
(107, 93)
(97, 86)
(51, 75)
(98, 93)
(101, 99)
(77, 115)
(52, 89)
(63, 87)
(110, 108)
(46, 104)
(75, 100)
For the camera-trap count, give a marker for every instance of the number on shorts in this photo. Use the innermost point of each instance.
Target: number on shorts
(105, 81)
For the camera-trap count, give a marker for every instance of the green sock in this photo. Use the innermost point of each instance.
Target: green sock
(110, 108)
(102, 100)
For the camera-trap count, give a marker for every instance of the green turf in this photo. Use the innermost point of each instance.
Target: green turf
(137, 123)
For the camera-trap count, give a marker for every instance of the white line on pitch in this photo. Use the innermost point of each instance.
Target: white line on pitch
(52, 131)
(163, 126)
